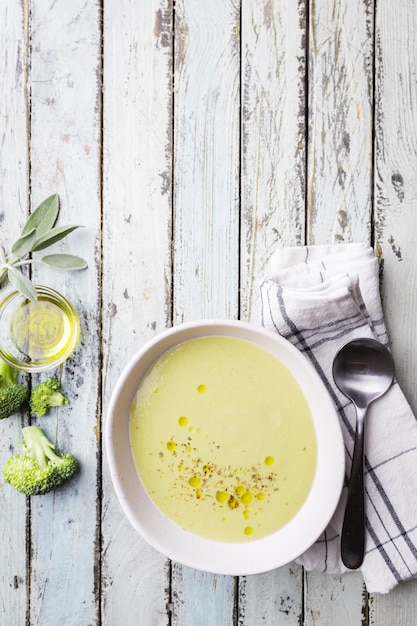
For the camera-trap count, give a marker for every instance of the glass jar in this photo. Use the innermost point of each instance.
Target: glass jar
(37, 336)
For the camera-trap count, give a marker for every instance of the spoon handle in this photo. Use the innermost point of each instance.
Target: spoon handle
(353, 530)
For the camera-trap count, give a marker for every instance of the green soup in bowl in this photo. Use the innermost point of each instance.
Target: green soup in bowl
(224, 447)
(223, 439)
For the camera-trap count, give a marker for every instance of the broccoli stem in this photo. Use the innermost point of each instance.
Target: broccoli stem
(38, 446)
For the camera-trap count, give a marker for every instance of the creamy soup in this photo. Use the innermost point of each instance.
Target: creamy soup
(223, 439)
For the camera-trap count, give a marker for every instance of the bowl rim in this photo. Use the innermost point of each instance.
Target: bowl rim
(177, 544)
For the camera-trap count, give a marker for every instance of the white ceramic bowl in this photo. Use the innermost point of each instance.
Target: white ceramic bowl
(167, 537)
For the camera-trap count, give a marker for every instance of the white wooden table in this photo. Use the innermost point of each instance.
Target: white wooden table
(190, 141)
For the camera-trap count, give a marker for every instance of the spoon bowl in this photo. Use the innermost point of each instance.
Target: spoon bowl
(363, 370)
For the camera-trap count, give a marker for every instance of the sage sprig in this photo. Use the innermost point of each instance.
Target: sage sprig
(38, 233)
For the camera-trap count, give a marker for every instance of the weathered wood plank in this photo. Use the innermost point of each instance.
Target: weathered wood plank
(397, 607)
(65, 158)
(396, 179)
(206, 157)
(201, 598)
(14, 158)
(396, 223)
(274, 598)
(206, 219)
(340, 121)
(335, 600)
(273, 138)
(339, 195)
(273, 213)
(137, 198)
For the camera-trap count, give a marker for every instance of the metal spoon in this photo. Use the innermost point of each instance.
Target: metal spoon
(363, 370)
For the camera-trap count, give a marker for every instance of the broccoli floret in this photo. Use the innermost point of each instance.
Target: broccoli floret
(38, 469)
(12, 394)
(46, 394)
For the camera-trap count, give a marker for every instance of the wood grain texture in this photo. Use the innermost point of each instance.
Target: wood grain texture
(206, 158)
(206, 219)
(201, 598)
(273, 44)
(396, 222)
(65, 158)
(339, 195)
(137, 265)
(335, 600)
(340, 88)
(14, 205)
(274, 598)
(396, 180)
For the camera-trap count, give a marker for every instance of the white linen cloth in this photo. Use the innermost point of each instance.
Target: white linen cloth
(320, 298)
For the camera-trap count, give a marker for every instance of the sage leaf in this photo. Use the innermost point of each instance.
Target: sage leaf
(52, 236)
(22, 284)
(3, 273)
(44, 216)
(67, 262)
(24, 244)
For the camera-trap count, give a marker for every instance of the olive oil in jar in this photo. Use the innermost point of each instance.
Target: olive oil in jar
(42, 333)
(40, 330)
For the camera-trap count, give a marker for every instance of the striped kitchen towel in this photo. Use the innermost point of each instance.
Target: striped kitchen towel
(319, 298)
